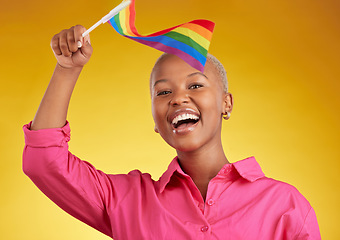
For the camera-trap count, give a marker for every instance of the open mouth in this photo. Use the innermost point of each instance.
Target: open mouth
(184, 120)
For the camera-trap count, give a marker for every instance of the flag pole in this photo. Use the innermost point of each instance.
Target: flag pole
(108, 16)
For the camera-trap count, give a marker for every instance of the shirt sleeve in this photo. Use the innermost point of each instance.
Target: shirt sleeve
(74, 185)
(297, 219)
(310, 229)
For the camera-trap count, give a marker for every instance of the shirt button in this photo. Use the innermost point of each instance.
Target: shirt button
(204, 228)
(210, 202)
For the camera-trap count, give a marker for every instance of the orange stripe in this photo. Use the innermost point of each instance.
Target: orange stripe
(127, 21)
(200, 30)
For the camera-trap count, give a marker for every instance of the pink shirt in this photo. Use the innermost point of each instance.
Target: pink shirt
(241, 202)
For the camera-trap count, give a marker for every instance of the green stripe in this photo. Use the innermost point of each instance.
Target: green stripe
(188, 41)
(116, 18)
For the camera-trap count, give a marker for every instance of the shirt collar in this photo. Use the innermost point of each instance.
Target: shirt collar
(247, 168)
(172, 168)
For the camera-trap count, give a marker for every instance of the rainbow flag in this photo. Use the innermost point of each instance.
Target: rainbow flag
(189, 41)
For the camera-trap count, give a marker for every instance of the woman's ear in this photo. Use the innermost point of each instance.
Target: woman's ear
(156, 130)
(228, 105)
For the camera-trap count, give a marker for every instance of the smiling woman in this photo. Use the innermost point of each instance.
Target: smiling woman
(200, 196)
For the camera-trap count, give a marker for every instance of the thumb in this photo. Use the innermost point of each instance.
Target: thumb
(86, 40)
(86, 47)
(79, 39)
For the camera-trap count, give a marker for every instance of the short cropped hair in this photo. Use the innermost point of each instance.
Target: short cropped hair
(217, 64)
(220, 70)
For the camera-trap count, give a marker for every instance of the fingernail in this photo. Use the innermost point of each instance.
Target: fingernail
(79, 44)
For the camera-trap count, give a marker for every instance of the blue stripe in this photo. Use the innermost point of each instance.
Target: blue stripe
(113, 24)
(175, 44)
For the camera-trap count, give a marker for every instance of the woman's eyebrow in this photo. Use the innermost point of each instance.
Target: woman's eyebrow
(159, 81)
(195, 73)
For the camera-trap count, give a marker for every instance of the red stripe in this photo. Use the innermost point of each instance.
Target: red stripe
(205, 23)
(132, 18)
(209, 25)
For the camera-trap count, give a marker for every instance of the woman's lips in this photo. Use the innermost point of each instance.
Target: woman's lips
(184, 128)
(183, 112)
(187, 116)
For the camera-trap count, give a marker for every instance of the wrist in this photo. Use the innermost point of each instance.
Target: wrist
(67, 75)
(69, 69)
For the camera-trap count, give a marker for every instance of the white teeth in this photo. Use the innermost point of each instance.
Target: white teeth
(184, 116)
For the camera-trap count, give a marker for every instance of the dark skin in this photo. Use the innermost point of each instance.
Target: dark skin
(176, 86)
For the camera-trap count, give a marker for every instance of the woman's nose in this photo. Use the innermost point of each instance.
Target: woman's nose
(179, 98)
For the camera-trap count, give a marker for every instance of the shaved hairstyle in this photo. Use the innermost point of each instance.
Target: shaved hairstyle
(216, 63)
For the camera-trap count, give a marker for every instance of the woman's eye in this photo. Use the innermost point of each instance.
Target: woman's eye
(194, 86)
(163, 93)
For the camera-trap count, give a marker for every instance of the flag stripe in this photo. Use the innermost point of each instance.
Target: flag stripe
(187, 40)
(181, 25)
(121, 17)
(117, 22)
(168, 49)
(200, 30)
(167, 41)
(193, 35)
(128, 19)
(132, 13)
(113, 24)
(205, 23)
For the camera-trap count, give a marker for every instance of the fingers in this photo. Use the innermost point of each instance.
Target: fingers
(68, 41)
(71, 42)
(63, 44)
(55, 44)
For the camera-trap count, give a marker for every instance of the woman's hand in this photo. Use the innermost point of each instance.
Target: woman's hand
(70, 48)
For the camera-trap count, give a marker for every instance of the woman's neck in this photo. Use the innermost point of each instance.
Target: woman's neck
(203, 164)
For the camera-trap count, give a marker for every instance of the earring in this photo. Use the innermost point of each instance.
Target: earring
(228, 116)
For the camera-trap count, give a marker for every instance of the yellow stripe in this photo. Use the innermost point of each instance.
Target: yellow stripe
(193, 35)
(122, 21)
(200, 30)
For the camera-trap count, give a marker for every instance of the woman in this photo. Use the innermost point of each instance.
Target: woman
(200, 196)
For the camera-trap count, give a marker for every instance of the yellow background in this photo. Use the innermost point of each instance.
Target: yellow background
(282, 59)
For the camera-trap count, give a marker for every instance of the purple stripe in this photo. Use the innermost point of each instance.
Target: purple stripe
(183, 55)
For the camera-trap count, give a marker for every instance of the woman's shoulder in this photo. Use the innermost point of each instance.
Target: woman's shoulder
(283, 192)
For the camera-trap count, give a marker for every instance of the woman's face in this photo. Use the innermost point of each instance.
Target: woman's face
(187, 105)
